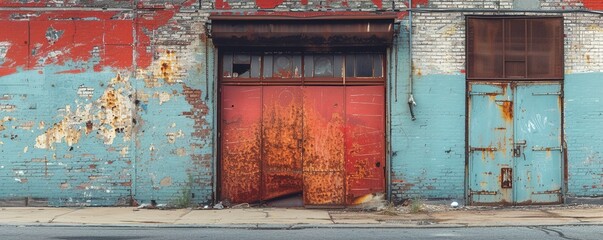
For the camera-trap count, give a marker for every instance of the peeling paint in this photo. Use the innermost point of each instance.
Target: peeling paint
(110, 115)
(4, 47)
(172, 136)
(163, 97)
(52, 35)
(166, 181)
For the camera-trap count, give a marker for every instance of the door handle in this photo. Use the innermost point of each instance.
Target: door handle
(518, 148)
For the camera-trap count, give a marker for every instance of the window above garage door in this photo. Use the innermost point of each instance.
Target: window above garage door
(303, 67)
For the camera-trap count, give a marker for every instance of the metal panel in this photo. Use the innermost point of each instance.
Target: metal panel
(323, 146)
(490, 142)
(545, 48)
(296, 33)
(521, 141)
(538, 172)
(240, 140)
(281, 141)
(514, 48)
(364, 142)
(485, 48)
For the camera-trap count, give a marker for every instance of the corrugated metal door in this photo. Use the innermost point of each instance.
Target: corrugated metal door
(538, 144)
(514, 143)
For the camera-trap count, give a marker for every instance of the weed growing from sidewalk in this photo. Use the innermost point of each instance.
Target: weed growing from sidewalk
(185, 199)
(416, 206)
(389, 209)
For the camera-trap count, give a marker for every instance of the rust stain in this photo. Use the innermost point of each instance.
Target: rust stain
(89, 126)
(281, 141)
(323, 149)
(506, 108)
(241, 165)
(240, 141)
(487, 151)
(64, 186)
(166, 68)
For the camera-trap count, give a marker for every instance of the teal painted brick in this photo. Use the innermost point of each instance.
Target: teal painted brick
(427, 155)
(583, 115)
(86, 173)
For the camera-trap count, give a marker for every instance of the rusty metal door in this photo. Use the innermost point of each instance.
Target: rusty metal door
(364, 142)
(281, 141)
(241, 118)
(538, 150)
(490, 143)
(325, 141)
(324, 121)
(514, 143)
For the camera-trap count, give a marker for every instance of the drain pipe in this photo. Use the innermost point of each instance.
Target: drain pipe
(411, 99)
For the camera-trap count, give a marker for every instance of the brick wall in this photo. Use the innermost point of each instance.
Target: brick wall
(100, 106)
(438, 69)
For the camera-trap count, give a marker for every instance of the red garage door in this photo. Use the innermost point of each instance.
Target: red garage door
(304, 123)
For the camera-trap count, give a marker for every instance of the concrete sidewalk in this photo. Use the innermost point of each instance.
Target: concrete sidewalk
(299, 217)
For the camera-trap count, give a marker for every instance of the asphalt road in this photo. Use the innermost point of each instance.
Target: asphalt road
(125, 233)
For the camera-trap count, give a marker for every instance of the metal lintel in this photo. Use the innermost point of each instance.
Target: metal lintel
(306, 33)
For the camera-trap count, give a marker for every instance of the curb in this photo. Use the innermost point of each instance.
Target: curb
(288, 226)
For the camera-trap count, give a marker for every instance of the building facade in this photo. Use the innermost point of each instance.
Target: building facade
(108, 103)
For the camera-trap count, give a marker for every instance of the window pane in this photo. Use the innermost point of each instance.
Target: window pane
(287, 66)
(515, 49)
(268, 65)
(485, 48)
(241, 64)
(364, 65)
(545, 56)
(349, 65)
(227, 65)
(377, 65)
(255, 66)
(324, 65)
(297, 67)
(282, 66)
(338, 65)
(308, 65)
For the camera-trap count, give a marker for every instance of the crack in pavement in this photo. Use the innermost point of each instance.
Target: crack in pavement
(549, 230)
(55, 217)
(189, 210)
